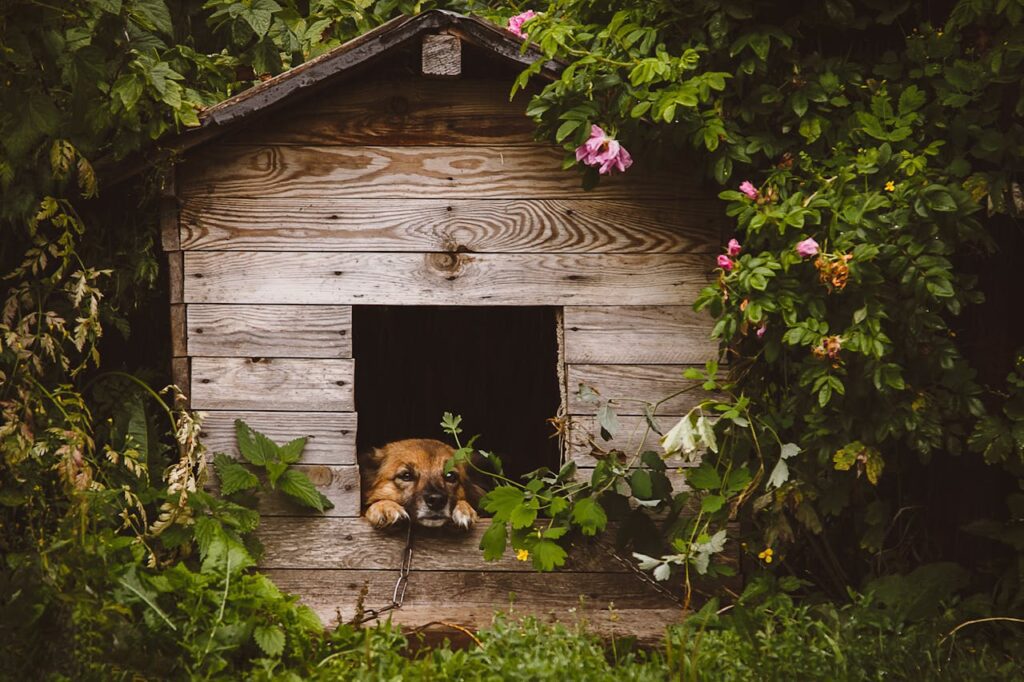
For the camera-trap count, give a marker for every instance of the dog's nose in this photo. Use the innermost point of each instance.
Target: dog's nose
(435, 501)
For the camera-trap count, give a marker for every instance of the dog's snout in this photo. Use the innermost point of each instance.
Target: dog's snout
(435, 500)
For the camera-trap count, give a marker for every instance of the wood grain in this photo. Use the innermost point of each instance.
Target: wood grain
(169, 224)
(407, 111)
(339, 484)
(281, 331)
(277, 384)
(441, 56)
(181, 376)
(176, 276)
(442, 279)
(638, 335)
(494, 589)
(331, 435)
(480, 226)
(179, 332)
(629, 385)
(331, 542)
(585, 444)
(501, 171)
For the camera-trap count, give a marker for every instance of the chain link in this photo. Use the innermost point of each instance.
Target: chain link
(398, 596)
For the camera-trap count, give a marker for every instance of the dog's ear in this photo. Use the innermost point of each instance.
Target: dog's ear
(369, 460)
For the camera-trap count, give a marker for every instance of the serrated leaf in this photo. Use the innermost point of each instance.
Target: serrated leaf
(494, 541)
(255, 447)
(291, 452)
(779, 475)
(704, 477)
(547, 555)
(270, 639)
(298, 487)
(523, 515)
(233, 476)
(589, 515)
(712, 503)
(502, 501)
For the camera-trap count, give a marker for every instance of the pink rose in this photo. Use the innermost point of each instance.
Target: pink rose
(724, 262)
(515, 24)
(748, 188)
(604, 152)
(734, 248)
(807, 248)
(761, 330)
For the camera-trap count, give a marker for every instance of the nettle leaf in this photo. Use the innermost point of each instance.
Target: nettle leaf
(547, 555)
(291, 452)
(255, 447)
(589, 515)
(233, 476)
(298, 487)
(502, 501)
(494, 541)
(270, 639)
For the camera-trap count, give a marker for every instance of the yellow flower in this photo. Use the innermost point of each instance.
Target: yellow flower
(522, 555)
(766, 555)
(890, 186)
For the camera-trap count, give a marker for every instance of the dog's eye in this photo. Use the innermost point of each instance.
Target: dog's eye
(405, 475)
(451, 477)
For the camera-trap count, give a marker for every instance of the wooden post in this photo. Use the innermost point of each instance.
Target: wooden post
(442, 56)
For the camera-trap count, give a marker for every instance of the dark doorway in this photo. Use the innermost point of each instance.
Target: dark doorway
(497, 367)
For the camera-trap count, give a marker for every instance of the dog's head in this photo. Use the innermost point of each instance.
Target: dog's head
(412, 474)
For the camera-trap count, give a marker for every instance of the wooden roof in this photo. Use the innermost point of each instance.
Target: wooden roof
(300, 81)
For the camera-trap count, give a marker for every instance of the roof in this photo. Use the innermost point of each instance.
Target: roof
(301, 80)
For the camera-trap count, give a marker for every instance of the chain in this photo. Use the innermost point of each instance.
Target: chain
(398, 596)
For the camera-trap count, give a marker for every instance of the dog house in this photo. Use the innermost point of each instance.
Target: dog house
(373, 238)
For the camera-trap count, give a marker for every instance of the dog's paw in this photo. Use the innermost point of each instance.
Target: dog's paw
(385, 513)
(464, 516)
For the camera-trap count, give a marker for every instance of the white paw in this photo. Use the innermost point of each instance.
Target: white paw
(385, 513)
(463, 516)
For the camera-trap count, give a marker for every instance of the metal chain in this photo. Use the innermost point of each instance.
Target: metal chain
(398, 596)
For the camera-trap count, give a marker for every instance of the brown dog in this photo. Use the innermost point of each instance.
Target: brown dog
(406, 479)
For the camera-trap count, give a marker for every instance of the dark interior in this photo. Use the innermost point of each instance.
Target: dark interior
(497, 367)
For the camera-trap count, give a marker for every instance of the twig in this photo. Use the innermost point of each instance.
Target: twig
(979, 620)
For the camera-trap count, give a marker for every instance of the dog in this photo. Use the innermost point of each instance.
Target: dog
(406, 481)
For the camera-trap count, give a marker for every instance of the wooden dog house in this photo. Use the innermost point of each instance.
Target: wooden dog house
(391, 175)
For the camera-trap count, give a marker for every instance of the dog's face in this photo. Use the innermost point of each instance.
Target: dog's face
(409, 476)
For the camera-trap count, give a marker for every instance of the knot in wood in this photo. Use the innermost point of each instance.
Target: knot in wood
(449, 264)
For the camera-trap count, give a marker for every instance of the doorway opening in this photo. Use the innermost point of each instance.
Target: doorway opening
(495, 366)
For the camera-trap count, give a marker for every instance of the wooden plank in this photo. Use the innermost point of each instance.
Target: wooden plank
(176, 276)
(500, 171)
(632, 438)
(480, 226)
(676, 477)
(272, 384)
(332, 542)
(331, 435)
(494, 589)
(275, 331)
(339, 484)
(405, 111)
(630, 385)
(638, 335)
(169, 235)
(179, 332)
(443, 279)
(441, 56)
(181, 376)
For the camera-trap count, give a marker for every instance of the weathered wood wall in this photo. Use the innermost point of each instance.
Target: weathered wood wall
(414, 192)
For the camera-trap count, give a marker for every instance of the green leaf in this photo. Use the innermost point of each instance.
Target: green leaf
(270, 639)
(567, 129)
(524, 515)
(233, 476)
(547, 555)
(255, 447)
(704, 477)
(494, 541)
(502, 501)
(712, 503)
(589, 515)
(153, 15)
(291, 452)
(608, 421)
(640, 484)
(298, 487)
(652, 461)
